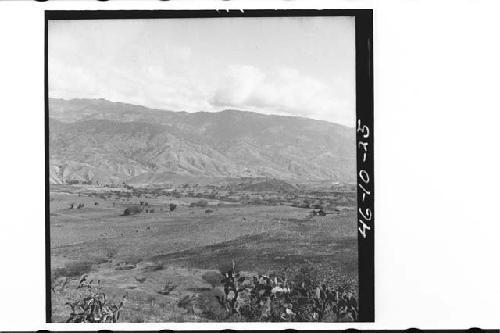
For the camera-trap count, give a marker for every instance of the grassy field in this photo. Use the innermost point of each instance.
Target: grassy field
(138, 254)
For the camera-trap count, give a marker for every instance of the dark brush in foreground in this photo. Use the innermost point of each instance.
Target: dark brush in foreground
(301, 295)
(92, 306)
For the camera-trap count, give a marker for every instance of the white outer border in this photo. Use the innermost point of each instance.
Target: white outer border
(436, 118)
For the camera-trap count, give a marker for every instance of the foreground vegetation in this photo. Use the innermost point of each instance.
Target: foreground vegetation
(301, 295)
(304, 294)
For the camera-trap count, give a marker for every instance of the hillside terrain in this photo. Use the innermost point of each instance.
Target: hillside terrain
(98, 141)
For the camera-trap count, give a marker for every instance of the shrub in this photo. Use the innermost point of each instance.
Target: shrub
(213, 278)
(132, 210)
(153, 268)
(167, 288)
(92, 306)
(124, 267)
(201, 203)
(211, 305)
(303, 295)
(72, 270)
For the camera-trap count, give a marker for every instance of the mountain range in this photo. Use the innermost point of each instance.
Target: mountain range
(108, 142)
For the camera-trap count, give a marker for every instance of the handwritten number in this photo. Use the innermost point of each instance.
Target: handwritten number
(364, 176)
(367, 215)
(363, 228)
(363, 129)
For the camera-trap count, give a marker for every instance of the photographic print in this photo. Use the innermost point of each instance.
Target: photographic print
(207, 166)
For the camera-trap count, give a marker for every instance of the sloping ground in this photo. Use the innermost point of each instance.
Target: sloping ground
(269, 252)
(144, 303)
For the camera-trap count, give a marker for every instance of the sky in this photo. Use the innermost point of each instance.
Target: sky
(300, 66)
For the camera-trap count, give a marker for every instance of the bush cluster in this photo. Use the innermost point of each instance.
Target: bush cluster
(301, 296)
(92, 306)
(200, 203)
(72, 270)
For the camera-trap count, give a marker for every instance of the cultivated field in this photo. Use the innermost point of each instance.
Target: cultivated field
(161, 256)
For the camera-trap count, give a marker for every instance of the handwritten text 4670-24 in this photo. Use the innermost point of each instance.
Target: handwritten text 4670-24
(365, 213)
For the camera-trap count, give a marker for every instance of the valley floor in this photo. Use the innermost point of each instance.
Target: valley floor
(138, 254)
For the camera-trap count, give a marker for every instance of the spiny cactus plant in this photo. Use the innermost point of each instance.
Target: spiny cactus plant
(302, 295)
(92, 306)
(232, 282)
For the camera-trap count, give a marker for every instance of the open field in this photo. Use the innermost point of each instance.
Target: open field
(260, 230)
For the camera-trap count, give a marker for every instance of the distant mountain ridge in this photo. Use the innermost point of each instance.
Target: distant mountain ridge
(109, 142)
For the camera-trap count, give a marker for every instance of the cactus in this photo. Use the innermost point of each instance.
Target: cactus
(287, 296)
(93, 306)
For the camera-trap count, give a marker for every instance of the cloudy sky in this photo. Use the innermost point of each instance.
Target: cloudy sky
(290, 66)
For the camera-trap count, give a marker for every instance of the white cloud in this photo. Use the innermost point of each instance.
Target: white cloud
(153, 84)
(284, 91)
(166, 80)
(154, 79)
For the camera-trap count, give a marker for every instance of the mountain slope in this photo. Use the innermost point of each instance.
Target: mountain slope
(103, 141)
